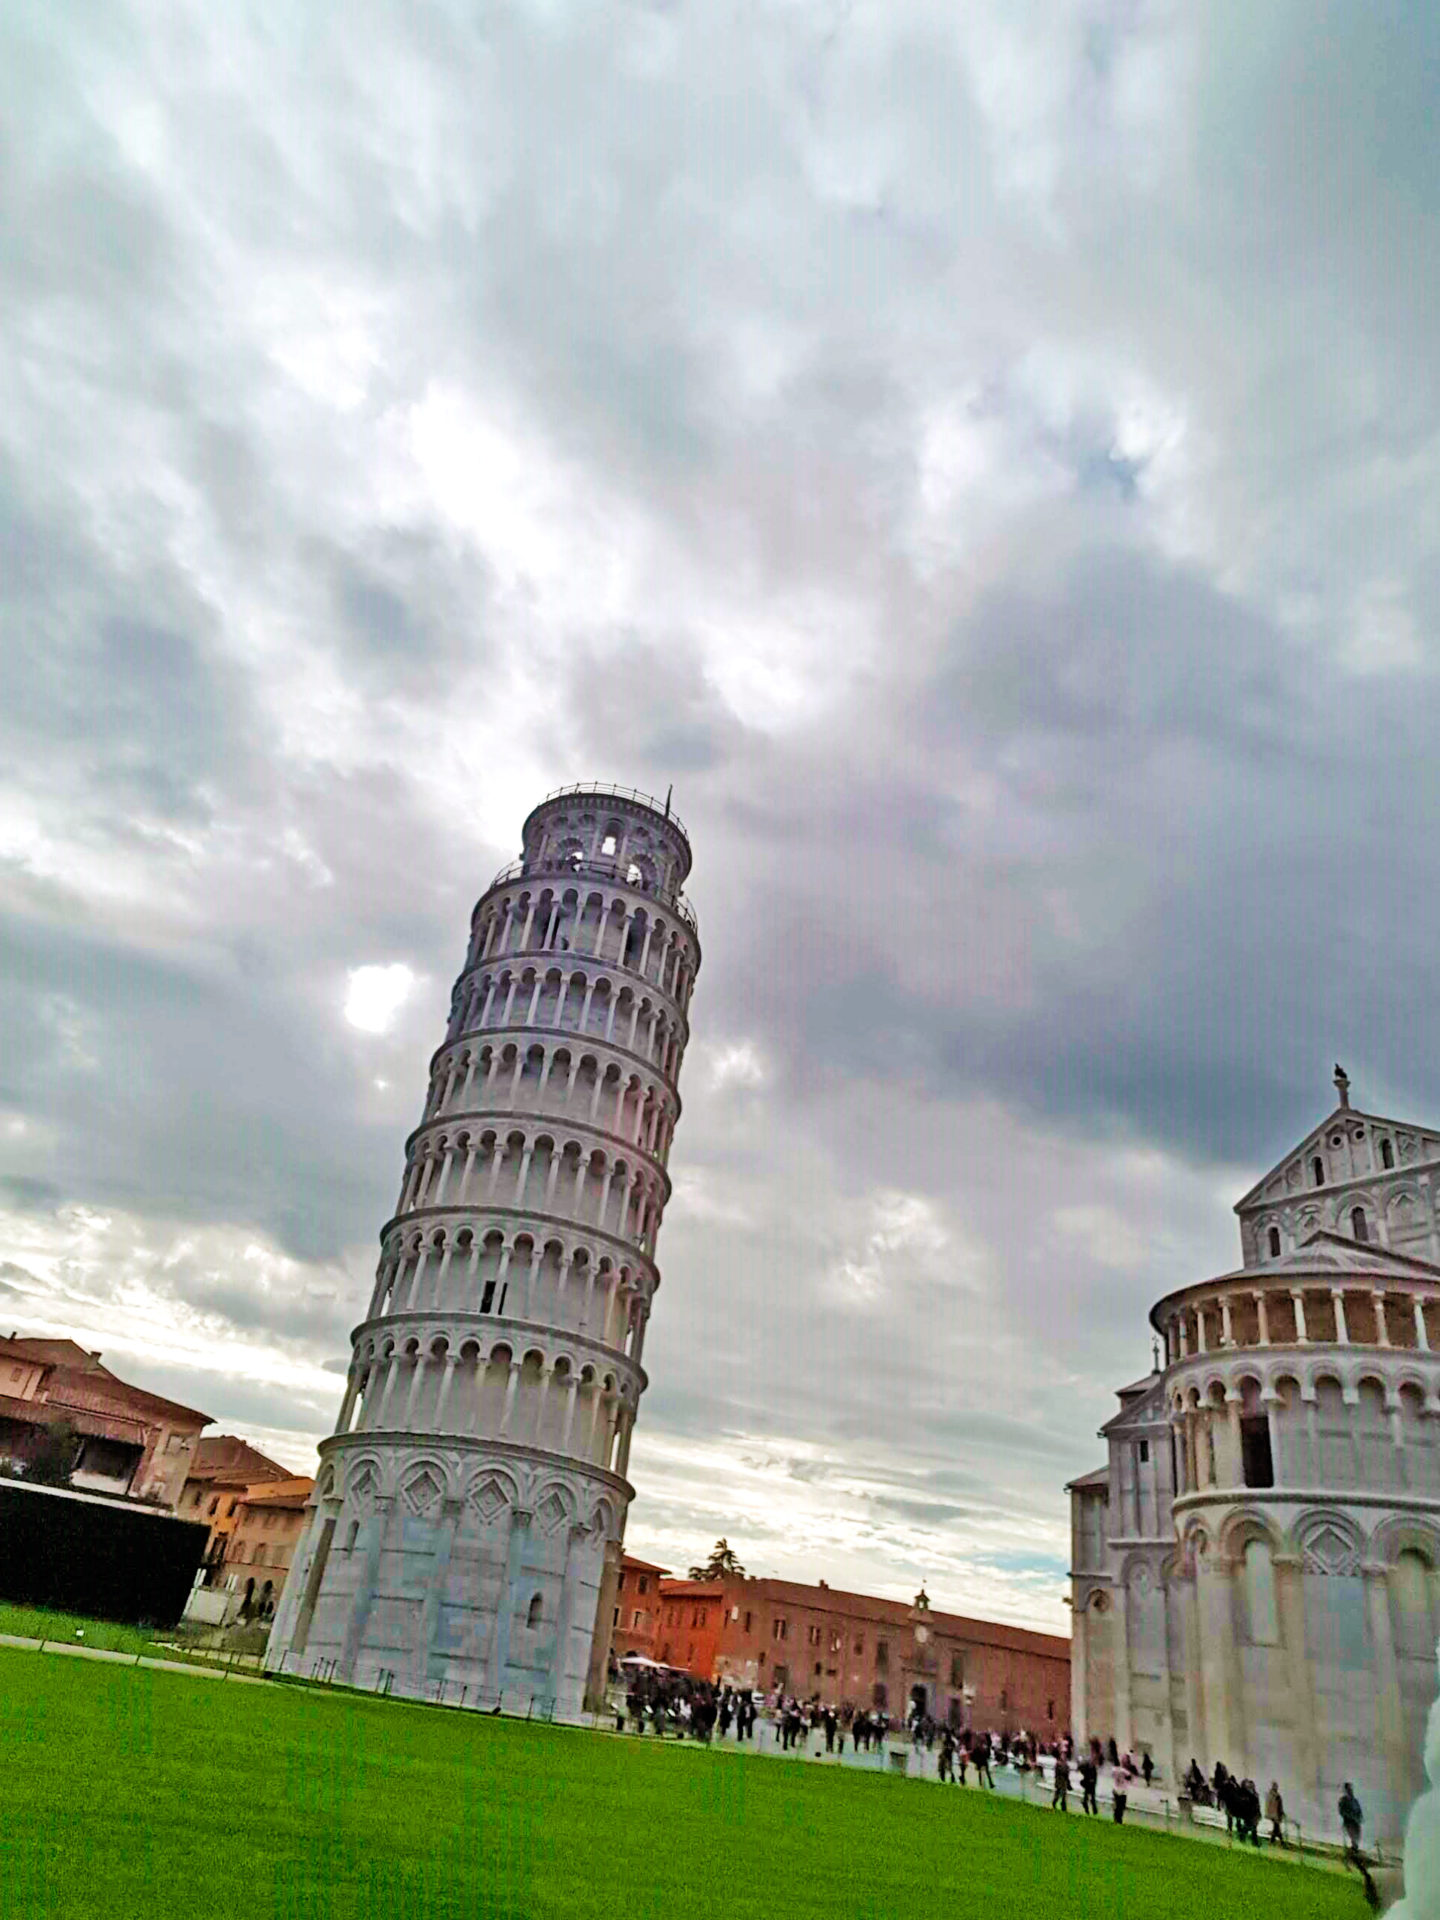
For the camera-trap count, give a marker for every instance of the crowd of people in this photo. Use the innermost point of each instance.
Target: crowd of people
(1239, 1801)
(661, 1701)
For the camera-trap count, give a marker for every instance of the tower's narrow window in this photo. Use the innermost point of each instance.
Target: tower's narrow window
(1317, 1171)
(1274, 1238)
(1387, 1155)
(532, 1615)
(1359, 1225)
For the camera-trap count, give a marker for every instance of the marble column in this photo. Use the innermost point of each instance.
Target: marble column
(1219, 1655)
(430, 1661)
(1120, 1636)
(363, 1597)
(1389, 1710)
(1290, 1606)
(515, 1543)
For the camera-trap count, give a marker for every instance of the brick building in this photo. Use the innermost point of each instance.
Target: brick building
(127, 1441)
(223, 1470)
(637, 1608)
(852, 1648)
(260, 1546)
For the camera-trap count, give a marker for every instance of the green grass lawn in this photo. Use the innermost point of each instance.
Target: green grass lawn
(138, 1795)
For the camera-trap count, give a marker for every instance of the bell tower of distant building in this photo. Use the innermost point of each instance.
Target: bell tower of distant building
(471, 1502)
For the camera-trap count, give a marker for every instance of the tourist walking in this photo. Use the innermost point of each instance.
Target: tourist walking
(1275, 1814)
(1352, 1817)
(981, 1757)
(1061, 1796)
(1119, 1793)
(1089, 1774)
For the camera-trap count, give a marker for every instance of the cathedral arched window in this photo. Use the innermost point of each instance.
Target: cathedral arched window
(532, 1615)
(1274, 1242)
(1359, 1225)
(1387, 1155)
(1317, 1171)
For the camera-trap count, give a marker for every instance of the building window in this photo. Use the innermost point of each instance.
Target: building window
(1387, 1155)
(882, 1655)
(1144, 1451)
(819, 1669)
(1256, 1459)
(697, 1618)
(1317, 1172)
(812, 1635)
(532, 1615)
(1274, 1239)
(859, 1645)
(957, 1669)
(837, 1644)
(1049, 1709)
(780, 1630)
(748, 1619)
(880, 1695)
(1359, 1225)
(616, 1621)
(642, 1585)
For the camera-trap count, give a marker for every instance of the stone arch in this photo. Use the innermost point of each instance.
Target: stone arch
(1328, 1541)
(489, 1492)
(1402, 1533)
(365, 1481)
(424, 1482)
(554, 1505)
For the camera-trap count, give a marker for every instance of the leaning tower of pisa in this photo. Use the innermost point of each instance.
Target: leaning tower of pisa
(470, 1504)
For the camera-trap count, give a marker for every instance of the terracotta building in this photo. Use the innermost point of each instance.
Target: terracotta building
(128, 1441)
(637, 1608)
(222, 1472)
(260, 1545)
(852, 1648)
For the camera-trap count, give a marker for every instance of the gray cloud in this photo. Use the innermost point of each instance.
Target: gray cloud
(990, 468)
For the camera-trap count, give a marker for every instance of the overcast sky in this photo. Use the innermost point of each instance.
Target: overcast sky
(986, 456)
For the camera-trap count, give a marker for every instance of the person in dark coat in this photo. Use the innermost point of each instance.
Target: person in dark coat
(1089, 1774)
(1352, 1817)
(1061, 1796)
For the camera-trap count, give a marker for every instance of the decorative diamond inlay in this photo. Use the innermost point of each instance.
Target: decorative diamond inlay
(489, 1501)
(551, 1511)
(422, 1491)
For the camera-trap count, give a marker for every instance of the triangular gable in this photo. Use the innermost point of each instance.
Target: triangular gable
(1141, 1409)
(1272, 1186)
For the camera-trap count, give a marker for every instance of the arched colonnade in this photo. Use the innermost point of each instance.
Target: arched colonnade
(597, 922)
(575, 1179)
(527, 1275)
(554, 1080)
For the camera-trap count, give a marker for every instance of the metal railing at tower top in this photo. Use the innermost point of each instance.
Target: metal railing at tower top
(599, 790)
(627, 876)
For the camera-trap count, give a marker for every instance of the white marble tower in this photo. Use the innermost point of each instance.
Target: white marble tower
(471, 1502)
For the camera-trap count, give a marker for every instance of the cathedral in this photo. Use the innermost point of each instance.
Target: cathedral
(1255, 1572)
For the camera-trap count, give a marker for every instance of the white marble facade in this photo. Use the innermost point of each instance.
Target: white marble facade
(1254, 1572)
(471, 1502)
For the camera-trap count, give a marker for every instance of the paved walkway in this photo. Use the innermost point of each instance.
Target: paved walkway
(200, 1669)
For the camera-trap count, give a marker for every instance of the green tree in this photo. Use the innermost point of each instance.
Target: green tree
(53, 1461)
(722, 1564)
